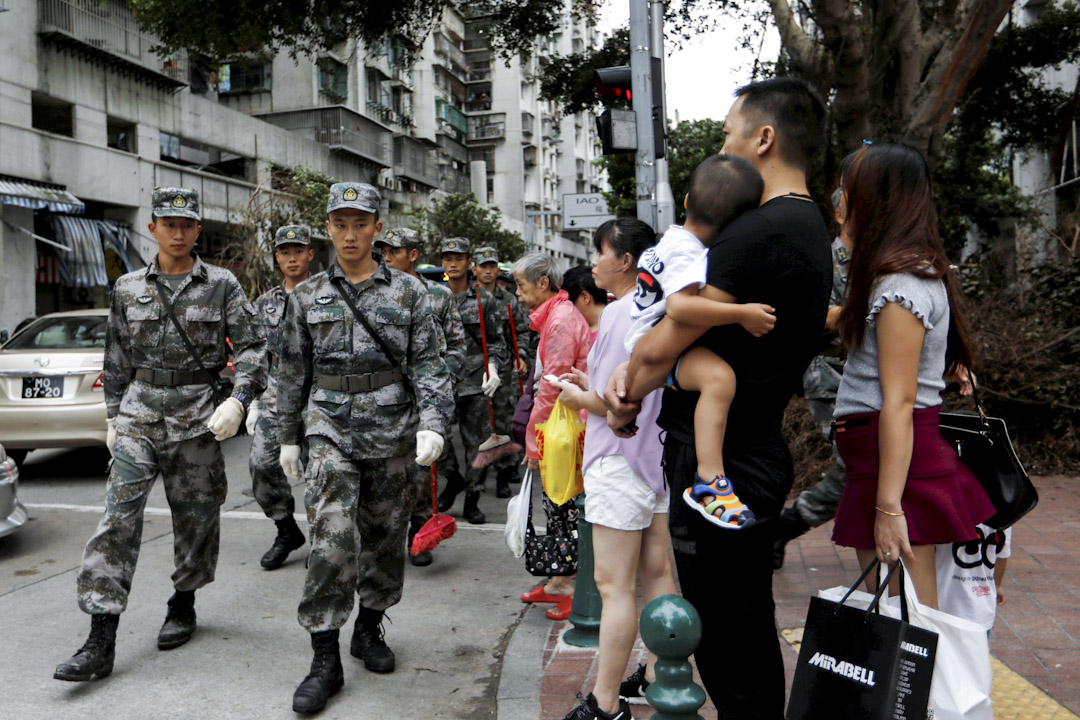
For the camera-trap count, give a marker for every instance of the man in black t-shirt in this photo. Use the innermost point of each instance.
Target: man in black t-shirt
(777, 254)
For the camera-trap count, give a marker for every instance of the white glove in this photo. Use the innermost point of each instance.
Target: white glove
(290, 463)
(252, 417)
(491, 382)
(429, 446)
(226, 420)
(110, 434)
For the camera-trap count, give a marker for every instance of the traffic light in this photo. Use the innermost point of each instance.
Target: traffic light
(616, 126)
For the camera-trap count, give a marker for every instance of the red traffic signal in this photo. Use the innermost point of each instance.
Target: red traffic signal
(613, 82)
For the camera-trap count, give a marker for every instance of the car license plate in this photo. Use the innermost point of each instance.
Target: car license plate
(42, 387)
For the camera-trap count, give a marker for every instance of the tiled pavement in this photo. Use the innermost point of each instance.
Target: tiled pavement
(1036, 637)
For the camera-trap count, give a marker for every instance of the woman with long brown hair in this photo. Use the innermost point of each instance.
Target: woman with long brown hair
(905, 332)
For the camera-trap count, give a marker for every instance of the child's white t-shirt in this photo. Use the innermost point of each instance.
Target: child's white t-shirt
(676, 262)
(965, 575)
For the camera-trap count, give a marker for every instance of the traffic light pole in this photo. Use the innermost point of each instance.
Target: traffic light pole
(641, 96)
(665, 199)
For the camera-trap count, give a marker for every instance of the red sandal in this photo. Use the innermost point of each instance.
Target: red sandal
(539, 595)
(562, 610)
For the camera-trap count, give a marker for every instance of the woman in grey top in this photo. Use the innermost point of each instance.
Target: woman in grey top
(906, 490)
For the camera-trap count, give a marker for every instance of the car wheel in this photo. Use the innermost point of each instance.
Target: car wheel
(17, 455)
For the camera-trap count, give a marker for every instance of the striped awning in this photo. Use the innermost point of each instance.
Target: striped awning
(39, 197)
(84, 266)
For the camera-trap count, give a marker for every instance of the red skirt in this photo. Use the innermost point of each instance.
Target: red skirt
(942, 500)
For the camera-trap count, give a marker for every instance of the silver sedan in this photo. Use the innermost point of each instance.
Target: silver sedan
(12, 512)
(51, 383)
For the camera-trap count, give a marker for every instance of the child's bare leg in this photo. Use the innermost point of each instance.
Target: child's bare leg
(704, 371)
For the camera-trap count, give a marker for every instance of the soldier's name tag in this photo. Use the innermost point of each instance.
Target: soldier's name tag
(144, 299)
(271, 309)
(324, 300)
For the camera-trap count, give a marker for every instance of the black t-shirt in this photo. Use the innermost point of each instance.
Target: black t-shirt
(776, 254)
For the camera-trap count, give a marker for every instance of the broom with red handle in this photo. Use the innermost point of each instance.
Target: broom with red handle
(437, 528)
(496, 445)
(513, 337)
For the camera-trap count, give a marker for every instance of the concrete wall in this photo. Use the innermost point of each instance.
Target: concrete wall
(18, 263)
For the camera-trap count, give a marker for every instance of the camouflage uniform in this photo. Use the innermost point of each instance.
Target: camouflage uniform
(161, 421)
(358, 494)
(469, 399)
(506, 397)
(268, 482)
(818, 504)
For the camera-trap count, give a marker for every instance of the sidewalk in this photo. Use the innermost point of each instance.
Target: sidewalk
(1035, 642)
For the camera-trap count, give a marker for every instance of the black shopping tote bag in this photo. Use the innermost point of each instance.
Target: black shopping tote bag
(856, 663)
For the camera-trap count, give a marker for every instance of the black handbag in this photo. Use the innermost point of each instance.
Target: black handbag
(549, 555)
(860, 664)
(982, 443)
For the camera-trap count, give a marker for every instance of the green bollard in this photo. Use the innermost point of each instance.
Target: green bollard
(671, 629)
(585, 613)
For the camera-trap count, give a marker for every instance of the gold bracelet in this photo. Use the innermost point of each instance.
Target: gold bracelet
(890, 514)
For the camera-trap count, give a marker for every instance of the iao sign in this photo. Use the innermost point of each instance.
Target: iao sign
(584, 211)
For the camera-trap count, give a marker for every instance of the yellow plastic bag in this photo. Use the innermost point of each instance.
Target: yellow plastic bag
(560, 442)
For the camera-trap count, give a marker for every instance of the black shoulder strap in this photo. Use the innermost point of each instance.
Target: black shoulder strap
(338, 284)
(212, 377)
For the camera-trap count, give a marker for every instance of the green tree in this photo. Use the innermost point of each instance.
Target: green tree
(459, 215)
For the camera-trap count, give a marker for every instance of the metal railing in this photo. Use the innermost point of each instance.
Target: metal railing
(413, 161)
(339, 128)
(109, 26)
(444, 47)
(493, 131)
(478, 75)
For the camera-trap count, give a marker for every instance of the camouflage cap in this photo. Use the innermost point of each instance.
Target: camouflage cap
(454, 245)
(485, 255)
(292, 234)
(359, 196)
(399, 238)
(176, 202)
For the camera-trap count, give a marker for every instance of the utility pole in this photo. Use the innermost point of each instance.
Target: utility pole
(665, 199)
(641, 97)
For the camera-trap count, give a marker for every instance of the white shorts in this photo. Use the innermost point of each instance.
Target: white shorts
(618, 498)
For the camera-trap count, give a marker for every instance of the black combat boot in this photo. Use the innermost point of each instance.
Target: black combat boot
(95, 657)
(421, 559)
(368, 643)
(472, 512)
(326, 676)
(454, 485)
(289, 537)
(503, 479)
(790, 525)
(179, 621)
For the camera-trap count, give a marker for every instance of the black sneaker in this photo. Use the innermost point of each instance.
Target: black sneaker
(633, 688)
(586, 709)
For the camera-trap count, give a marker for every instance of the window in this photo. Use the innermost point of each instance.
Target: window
(334, 79)
(244, 77)
(121, 134)
(51, 114)
(62, 333)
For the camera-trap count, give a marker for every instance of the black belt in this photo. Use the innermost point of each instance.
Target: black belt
(170, 378)
(359, 383)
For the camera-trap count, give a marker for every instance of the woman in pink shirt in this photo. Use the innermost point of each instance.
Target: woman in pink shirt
(565, 340)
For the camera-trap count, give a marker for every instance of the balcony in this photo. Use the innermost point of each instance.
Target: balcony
(449, 115)
(478, 75)
(412, 160)
(453, 181)
(106, 32)
(487, 127)
(579, 165)
(340, 129)
(528, 122)
(445, 48)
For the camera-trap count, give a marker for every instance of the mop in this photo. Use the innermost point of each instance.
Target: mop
(437, 528)
(496, 446)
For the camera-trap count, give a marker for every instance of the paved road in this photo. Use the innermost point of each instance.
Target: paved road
(450, 631)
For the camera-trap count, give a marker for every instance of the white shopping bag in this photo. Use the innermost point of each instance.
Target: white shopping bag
(517, 517)
(962, 677)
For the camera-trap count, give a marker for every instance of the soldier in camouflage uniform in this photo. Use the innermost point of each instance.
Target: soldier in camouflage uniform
(478, 383)
(293, 254)
(486, 267)
(162, 419)
(817, 505)
(401, 251)
(365, 399)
